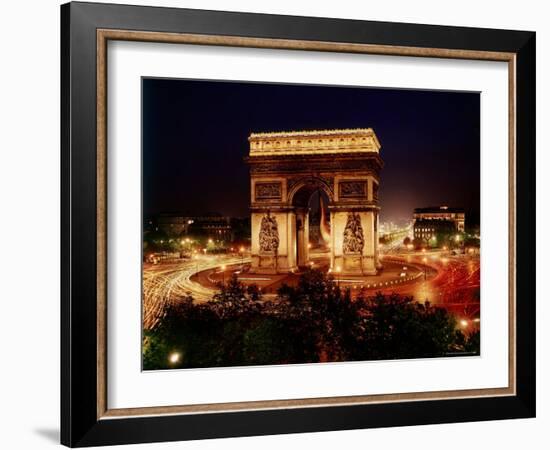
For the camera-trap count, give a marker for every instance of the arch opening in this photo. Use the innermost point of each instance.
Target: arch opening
(312, 223)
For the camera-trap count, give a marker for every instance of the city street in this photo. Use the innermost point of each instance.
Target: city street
(454, 285)
(165, 283)
(448, 281)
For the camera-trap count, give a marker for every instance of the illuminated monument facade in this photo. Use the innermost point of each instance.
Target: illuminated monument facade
(286, 168)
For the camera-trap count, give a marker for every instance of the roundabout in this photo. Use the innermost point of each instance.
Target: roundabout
(445, 280)
(395, 273)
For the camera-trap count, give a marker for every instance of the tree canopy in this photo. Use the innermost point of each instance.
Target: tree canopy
(315, 321)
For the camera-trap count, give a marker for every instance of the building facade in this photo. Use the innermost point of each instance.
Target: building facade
(428, 222)
(211, 226)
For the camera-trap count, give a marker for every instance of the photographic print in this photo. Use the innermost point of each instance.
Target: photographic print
(299, 224)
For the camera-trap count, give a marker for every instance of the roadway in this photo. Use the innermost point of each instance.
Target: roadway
(166, 283)
(451, 282)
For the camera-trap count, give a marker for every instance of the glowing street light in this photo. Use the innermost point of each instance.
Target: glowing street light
(174, 357)
(463, 323)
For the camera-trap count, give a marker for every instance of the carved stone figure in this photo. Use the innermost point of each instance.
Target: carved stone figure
(353, 235)
(269, 234)
(268, 191)
(353, 189)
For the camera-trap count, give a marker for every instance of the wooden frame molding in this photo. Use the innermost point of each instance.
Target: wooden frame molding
(86, 418)
(103, 36)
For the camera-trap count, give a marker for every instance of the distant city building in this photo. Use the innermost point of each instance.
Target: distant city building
(213, 226)
(428, 222)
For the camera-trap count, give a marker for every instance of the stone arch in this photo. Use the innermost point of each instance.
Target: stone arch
(310, 183)
(286, 168)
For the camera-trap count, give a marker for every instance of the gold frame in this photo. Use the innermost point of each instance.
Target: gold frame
(103, 36)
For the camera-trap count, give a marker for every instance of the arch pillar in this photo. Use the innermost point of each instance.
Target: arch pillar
(363, 258)
(278, 226)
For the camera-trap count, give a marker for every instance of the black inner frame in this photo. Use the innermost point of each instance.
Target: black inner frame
(79, 424)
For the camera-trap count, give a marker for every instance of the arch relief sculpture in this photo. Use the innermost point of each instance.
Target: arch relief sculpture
(269, 234)
(354, 240)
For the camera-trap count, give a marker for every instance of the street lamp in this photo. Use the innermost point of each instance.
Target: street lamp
(338, 270)
(174, 357)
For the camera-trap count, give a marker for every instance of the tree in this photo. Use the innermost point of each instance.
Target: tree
(155, 241)
(267, 341)
(472, 344)
(234, 298)
(398, 327)
(407, 241)
(310, 322)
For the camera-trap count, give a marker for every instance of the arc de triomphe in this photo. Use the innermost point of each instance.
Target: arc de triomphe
(286, 168)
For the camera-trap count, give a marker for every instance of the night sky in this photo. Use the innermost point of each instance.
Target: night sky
(195, 137)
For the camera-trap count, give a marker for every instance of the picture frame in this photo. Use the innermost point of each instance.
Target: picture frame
(86, 418)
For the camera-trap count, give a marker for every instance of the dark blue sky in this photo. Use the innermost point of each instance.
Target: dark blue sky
(195, 137)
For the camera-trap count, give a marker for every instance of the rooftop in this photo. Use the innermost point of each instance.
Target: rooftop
(305, 133)
(438, 210)
(351, 140)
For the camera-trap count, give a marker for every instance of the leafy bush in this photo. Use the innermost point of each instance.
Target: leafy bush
(315, 321)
